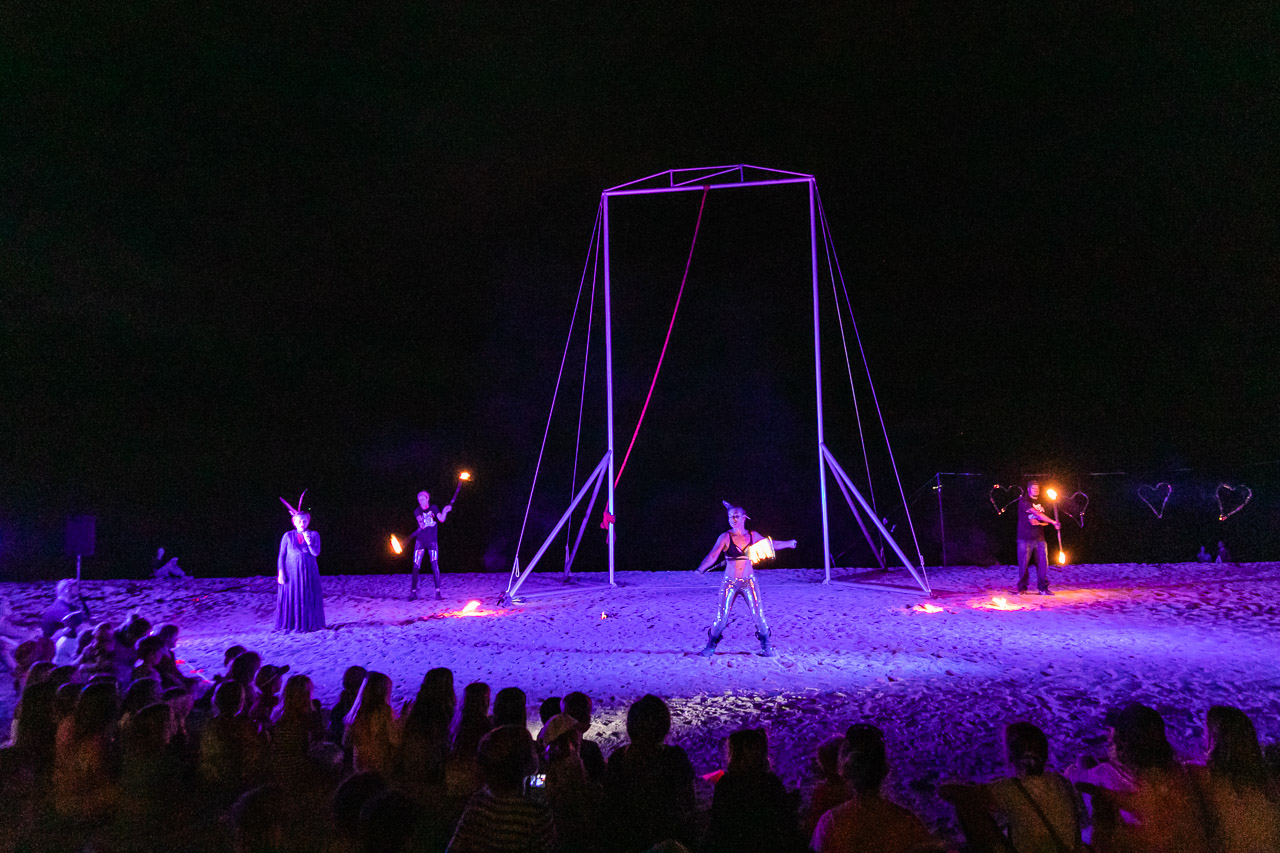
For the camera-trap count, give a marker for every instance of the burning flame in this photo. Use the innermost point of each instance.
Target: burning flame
(762, 550)
(999, 602)
(927, 608)
(1052, 493)
(464, 476)
(470, 607)
(395, 545)
(1062, 558)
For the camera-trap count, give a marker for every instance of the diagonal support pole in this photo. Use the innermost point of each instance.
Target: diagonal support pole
(857, 516)
(875, 519)
(513, 588)
(582, 528)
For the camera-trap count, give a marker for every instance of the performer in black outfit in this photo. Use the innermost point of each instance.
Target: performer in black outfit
(1031, 544)
(426, 539)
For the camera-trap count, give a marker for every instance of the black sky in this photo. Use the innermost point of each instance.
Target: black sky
(247, 251)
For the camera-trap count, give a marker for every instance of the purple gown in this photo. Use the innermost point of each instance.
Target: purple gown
(299, 605)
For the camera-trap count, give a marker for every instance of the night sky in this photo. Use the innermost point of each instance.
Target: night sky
(251, 252)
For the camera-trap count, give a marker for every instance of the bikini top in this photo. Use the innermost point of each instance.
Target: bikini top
(735, 551)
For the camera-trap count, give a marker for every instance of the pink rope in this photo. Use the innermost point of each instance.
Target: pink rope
(670, 327)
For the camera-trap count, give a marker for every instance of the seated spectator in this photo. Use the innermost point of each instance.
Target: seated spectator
(141, 693)
(750, 810)
(501, 817)
(868, 822)
(295, 727)
(348, 801)
(99, 657)
(1144, 800)
(126, 646)
(373, 732)
(648, 785)
(69, 609)
(28, 759)
(351, 681)
(84, 788)
(244, 671)
(170, 675)
(68, 645)
(510, 708)
(231, 746)
(150, 651)
(578, 705)
(831, 789)
(268, 681)
(151, 777)
(425, 746)
(1242, 800)
(162, 569)
(573, 797)
(548, 709)
(1041, 807)
(462, 773)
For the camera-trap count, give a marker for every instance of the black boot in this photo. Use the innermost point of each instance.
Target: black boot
(766, 650)
(712, 642)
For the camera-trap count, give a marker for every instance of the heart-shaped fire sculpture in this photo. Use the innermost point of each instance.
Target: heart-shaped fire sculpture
(1236, 497)
(1075, 505)
(1157, 494)
(1003, 497)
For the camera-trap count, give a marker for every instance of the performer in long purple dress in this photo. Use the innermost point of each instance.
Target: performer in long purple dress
(299, 605)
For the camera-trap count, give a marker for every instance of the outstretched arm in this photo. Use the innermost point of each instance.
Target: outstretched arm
(442, 513)
(778, 544)
(710, 560)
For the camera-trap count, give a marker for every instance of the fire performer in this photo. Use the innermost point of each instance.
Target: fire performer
(426, 539)
(741, 549)
(1032, 521)
(299, 603)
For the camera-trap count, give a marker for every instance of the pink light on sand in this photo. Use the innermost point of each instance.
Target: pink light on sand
(927, 608)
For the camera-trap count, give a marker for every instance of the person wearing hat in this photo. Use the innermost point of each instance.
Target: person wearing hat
(299, 603)
(739, 577)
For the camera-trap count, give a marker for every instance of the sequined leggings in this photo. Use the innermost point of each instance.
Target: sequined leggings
(729, 592)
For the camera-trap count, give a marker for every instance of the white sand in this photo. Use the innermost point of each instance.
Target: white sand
(1180, 637)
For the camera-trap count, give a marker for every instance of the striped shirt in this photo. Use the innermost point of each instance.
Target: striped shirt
(503, 823)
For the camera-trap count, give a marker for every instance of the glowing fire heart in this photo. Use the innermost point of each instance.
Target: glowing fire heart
(1159, 493)
(1075, 505)
(1003, 497)
(1232, 494)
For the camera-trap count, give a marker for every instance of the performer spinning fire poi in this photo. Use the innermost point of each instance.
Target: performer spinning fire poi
(299, 603)
(741, 549)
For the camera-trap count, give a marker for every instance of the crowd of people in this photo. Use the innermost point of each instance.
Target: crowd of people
(116, 748)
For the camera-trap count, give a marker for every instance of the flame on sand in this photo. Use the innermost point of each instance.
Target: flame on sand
(927, 608)
(999, 602)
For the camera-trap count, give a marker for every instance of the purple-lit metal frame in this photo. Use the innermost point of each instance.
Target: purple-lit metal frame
(692, 180)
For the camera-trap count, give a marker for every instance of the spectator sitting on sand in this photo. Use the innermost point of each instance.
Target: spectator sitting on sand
(510, 707)
(751, 809)
(578, 705)
(462, 774)
(1041, 807)
(425, 746)
(574, 799)
(868, 822)
(162, 569)
(648, 784)
(500, 816)
(351, 681)
(831, 789)
(373, 732)
(1242, 800)
(1143, 800)
(69, 609)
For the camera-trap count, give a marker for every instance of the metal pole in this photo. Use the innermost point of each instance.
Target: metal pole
(608, 379)
(817, 381)
(77, 568)
(942, 527)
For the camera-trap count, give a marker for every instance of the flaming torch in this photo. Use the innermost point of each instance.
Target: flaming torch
(396, 547)
(1053, 496)
(463, 477)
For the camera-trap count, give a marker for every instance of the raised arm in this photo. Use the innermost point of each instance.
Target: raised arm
(442, 513)
(710, 560)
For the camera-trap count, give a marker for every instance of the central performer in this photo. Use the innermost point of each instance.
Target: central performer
(739, 575)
